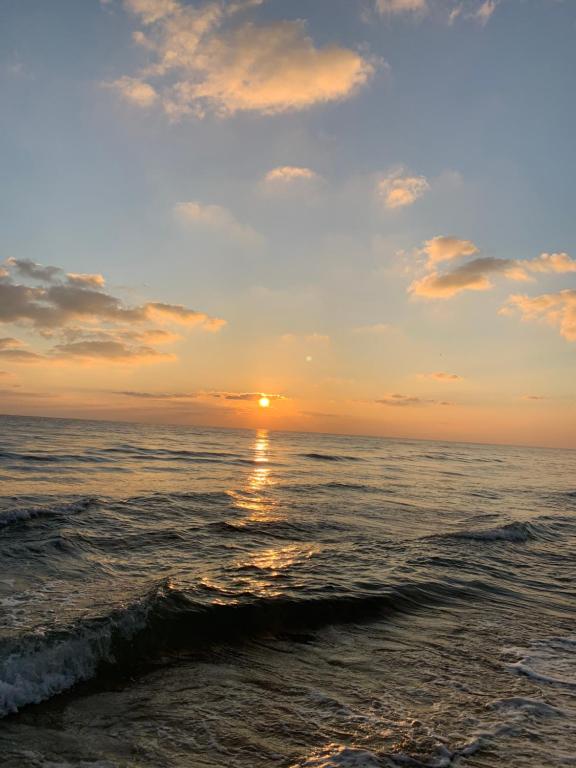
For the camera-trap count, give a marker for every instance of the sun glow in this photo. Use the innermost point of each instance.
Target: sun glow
(264, 402)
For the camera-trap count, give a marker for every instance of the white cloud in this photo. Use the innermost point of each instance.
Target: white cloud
(398, 191)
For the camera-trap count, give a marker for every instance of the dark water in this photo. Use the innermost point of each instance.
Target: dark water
(202, 598)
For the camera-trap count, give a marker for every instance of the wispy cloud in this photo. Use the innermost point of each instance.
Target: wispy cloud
(556, 309)
(400, 400)
(209, 58)
(214, 218)
(386, 7)
(135, 91)
(450, 378)
(176, 396)
(398, 190)
(483, 14)
(307, 338)
(376, 329)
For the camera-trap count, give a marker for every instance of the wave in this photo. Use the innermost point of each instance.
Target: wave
(542, 529)
(167, 621)
(329, 457)
(22, 514)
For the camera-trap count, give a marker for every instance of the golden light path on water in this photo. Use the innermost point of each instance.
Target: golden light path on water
(266, 564)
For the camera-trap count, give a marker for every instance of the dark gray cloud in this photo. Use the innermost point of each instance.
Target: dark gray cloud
(75, 310)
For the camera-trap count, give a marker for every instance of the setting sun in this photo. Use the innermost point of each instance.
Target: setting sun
(264, 402)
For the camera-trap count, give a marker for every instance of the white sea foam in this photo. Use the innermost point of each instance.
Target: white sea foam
(46, 665)
(21, 514)
(551, 661)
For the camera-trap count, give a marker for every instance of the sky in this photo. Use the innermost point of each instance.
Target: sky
(362, 210)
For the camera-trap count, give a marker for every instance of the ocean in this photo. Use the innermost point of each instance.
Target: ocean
(205, 598)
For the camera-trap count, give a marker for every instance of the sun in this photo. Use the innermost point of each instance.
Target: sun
(264, 402)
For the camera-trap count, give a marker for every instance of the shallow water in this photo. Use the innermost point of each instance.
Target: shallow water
(204, 597)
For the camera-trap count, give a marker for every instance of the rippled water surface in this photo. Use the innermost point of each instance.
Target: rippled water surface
(201, 598)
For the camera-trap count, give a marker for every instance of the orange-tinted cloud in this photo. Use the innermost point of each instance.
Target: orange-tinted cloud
(236, 396)
(215, 218)
(399, 191)
(206, 60)
(401, 6)
(288, 174)
(451, 378)
(557, 309)
(400, 400)
(447, 248)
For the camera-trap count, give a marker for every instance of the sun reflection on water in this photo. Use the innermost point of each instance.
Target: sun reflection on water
(254, 496)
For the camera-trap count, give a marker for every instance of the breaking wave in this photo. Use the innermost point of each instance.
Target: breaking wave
(166, 621)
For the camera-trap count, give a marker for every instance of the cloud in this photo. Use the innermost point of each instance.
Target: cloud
(86, 322)
(236, 396)
(557, 309)
(249, 396)
(455, 13)
(484, 13)
(32, 270)
(46, 274)
(135, 91)
(214, 218)
(447, 248)
(177, 313)
(12, 350)
(450, 378)
(475, 275)
(152, 10)
(307, 338)
(398, 191)
(399, 400)
(472, 276)
(287, 174)
(559, 263)
(401, 6)
(109, 351)
(534, 397)
(206, 60)
(86, 281)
